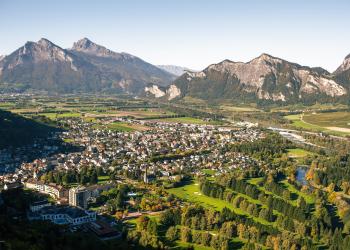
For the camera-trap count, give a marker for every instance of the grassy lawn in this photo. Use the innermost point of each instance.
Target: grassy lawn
(209, 171)
(192, 194)
(256, 181)
(126, 127)
(336, 123)
(331, 119)
(138, 113)
(297, 122)
(239, 109)
(89, 119)
(120, 126)
(103, 179)
(68, 140)
(184, 245)
(7, 105)
(298, 153)
(54, 116)
(308, 198)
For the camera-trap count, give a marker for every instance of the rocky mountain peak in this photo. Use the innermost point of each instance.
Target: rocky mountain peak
(265, 78)
(344, 66)
(83, 44)
(45, 42)
(87, 46)
(266, 58)
(87, 67)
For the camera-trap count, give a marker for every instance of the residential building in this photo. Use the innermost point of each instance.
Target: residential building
(78, 197)
(36, 206)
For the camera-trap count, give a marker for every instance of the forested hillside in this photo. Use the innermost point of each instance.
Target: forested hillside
(16, 130)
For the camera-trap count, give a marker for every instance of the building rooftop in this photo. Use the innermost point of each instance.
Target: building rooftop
(38, 203)
(73, 212)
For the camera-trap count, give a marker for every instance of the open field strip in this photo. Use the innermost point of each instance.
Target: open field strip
(192, 193)
(189, 120)
(238, 108)
(308, 123)
(298, 153)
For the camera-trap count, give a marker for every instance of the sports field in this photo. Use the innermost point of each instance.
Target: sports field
(192, 194)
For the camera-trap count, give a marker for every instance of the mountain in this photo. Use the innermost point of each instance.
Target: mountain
(87, 67)
(263, 79)
(173, 69)
(342, 74)
(124, 71)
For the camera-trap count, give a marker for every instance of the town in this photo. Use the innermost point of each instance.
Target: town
(161, 153)
(128, 172)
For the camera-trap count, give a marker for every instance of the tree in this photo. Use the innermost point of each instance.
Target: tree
(241, 229)
(205, 239)
(50, 177)
(142, 223)
(170, 217)
(286, 195)
(65, 178)
(171, 234)
(152, 227)
(186, 235)
(93, 178)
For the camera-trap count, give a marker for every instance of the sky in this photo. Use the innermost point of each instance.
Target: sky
(191, 33)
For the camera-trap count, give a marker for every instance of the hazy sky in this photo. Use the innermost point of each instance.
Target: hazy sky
(192, 33)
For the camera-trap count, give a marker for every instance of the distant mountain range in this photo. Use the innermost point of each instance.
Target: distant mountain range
(86, 67)
(175, 70)
(91, 68)
(265, 79)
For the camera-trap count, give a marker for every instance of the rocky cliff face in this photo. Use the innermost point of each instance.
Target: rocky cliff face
(43, 65)
(87, 67)
(264, 78)
(342, 74)
(126, 72)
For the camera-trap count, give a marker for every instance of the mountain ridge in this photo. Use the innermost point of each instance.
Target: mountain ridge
(87, 67)
(264, 78)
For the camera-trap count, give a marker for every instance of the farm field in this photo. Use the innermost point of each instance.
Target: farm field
(122, 127)
(336, 123)
(54, 116)
(332, 119)
(315, 107)
(138, 114)
(239, 109)
(189, 120)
